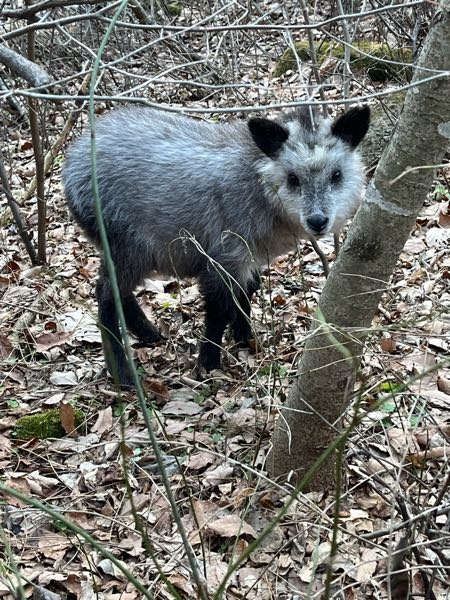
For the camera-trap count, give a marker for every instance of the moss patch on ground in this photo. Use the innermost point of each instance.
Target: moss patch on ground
(44, 425)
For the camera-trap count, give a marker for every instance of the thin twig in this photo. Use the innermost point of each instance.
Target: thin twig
(17, 216)
(58, 144)
(33, 104)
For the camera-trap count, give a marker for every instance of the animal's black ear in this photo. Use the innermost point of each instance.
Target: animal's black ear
(352, 126)
(267, 135)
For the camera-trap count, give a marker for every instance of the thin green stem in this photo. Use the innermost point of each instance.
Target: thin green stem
(61, 519)
(201, 584)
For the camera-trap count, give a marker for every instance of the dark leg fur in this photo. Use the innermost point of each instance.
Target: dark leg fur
(111, 337)
(138, 323)
(220, 310)
(241, 326)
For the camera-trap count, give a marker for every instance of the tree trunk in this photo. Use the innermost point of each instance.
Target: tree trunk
(310, 419)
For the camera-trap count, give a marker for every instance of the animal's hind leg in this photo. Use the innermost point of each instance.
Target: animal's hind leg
(138, 323)
(115, 357)
(241, 326)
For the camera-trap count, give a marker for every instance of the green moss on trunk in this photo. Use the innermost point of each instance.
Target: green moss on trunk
(365, 56)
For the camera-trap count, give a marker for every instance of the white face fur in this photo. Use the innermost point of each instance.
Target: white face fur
(316, 176)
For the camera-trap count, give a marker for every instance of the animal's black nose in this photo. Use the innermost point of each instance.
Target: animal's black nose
(317, 223)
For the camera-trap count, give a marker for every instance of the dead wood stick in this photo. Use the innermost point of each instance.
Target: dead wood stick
(20, 66)
(57, 145)
(323, 258)
(28, 12)
(17, 215)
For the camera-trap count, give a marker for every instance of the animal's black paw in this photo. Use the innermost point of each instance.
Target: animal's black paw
(149, 338)
(209, 357)
(242, 333)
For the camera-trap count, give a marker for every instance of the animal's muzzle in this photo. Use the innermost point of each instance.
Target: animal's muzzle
(317, 224)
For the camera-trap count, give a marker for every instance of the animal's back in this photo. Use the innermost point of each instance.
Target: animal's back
(161, 175)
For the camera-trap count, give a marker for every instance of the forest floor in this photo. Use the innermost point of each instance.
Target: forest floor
(215, 431)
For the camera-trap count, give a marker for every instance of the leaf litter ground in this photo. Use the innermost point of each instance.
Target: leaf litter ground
(215, 431)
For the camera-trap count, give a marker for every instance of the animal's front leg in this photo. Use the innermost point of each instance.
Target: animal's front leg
(220, 310)
(241, 326)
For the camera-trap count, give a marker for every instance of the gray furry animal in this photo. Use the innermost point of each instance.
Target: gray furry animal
(190, 198)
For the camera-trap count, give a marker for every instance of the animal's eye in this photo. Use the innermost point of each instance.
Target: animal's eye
(293, 180)
(336, 176)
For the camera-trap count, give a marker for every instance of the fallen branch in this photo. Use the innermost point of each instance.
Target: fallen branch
(22, 67)
(431, 454)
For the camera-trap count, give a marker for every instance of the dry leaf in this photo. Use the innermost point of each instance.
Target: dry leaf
(199, 460)
(278, 300)
(67, 416)
(53, 545)
(159, 388)
(68, 378)
(104, 421)
(109, 568)
(231, 526)
(51, 340)
(437, 238)
(436, 398)
(219, 474)
(321, 553)
(388, 344)
(181, 407)
(401, 441)
(444, 218)
(248, 576)
(183, 583)
(443, 385)
(6, 348)
(368, 565)
(81, 325)
(40, 593)
(415, 245)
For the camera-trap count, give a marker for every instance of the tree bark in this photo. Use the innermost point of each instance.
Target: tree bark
(311, 417)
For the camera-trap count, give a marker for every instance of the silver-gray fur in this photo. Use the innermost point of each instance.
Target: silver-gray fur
(215, 201)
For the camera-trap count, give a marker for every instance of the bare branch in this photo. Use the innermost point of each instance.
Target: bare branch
(30, 11)
(205, 29)
(57, 145)
(22, 67)
(235, 109)
(18, 219)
